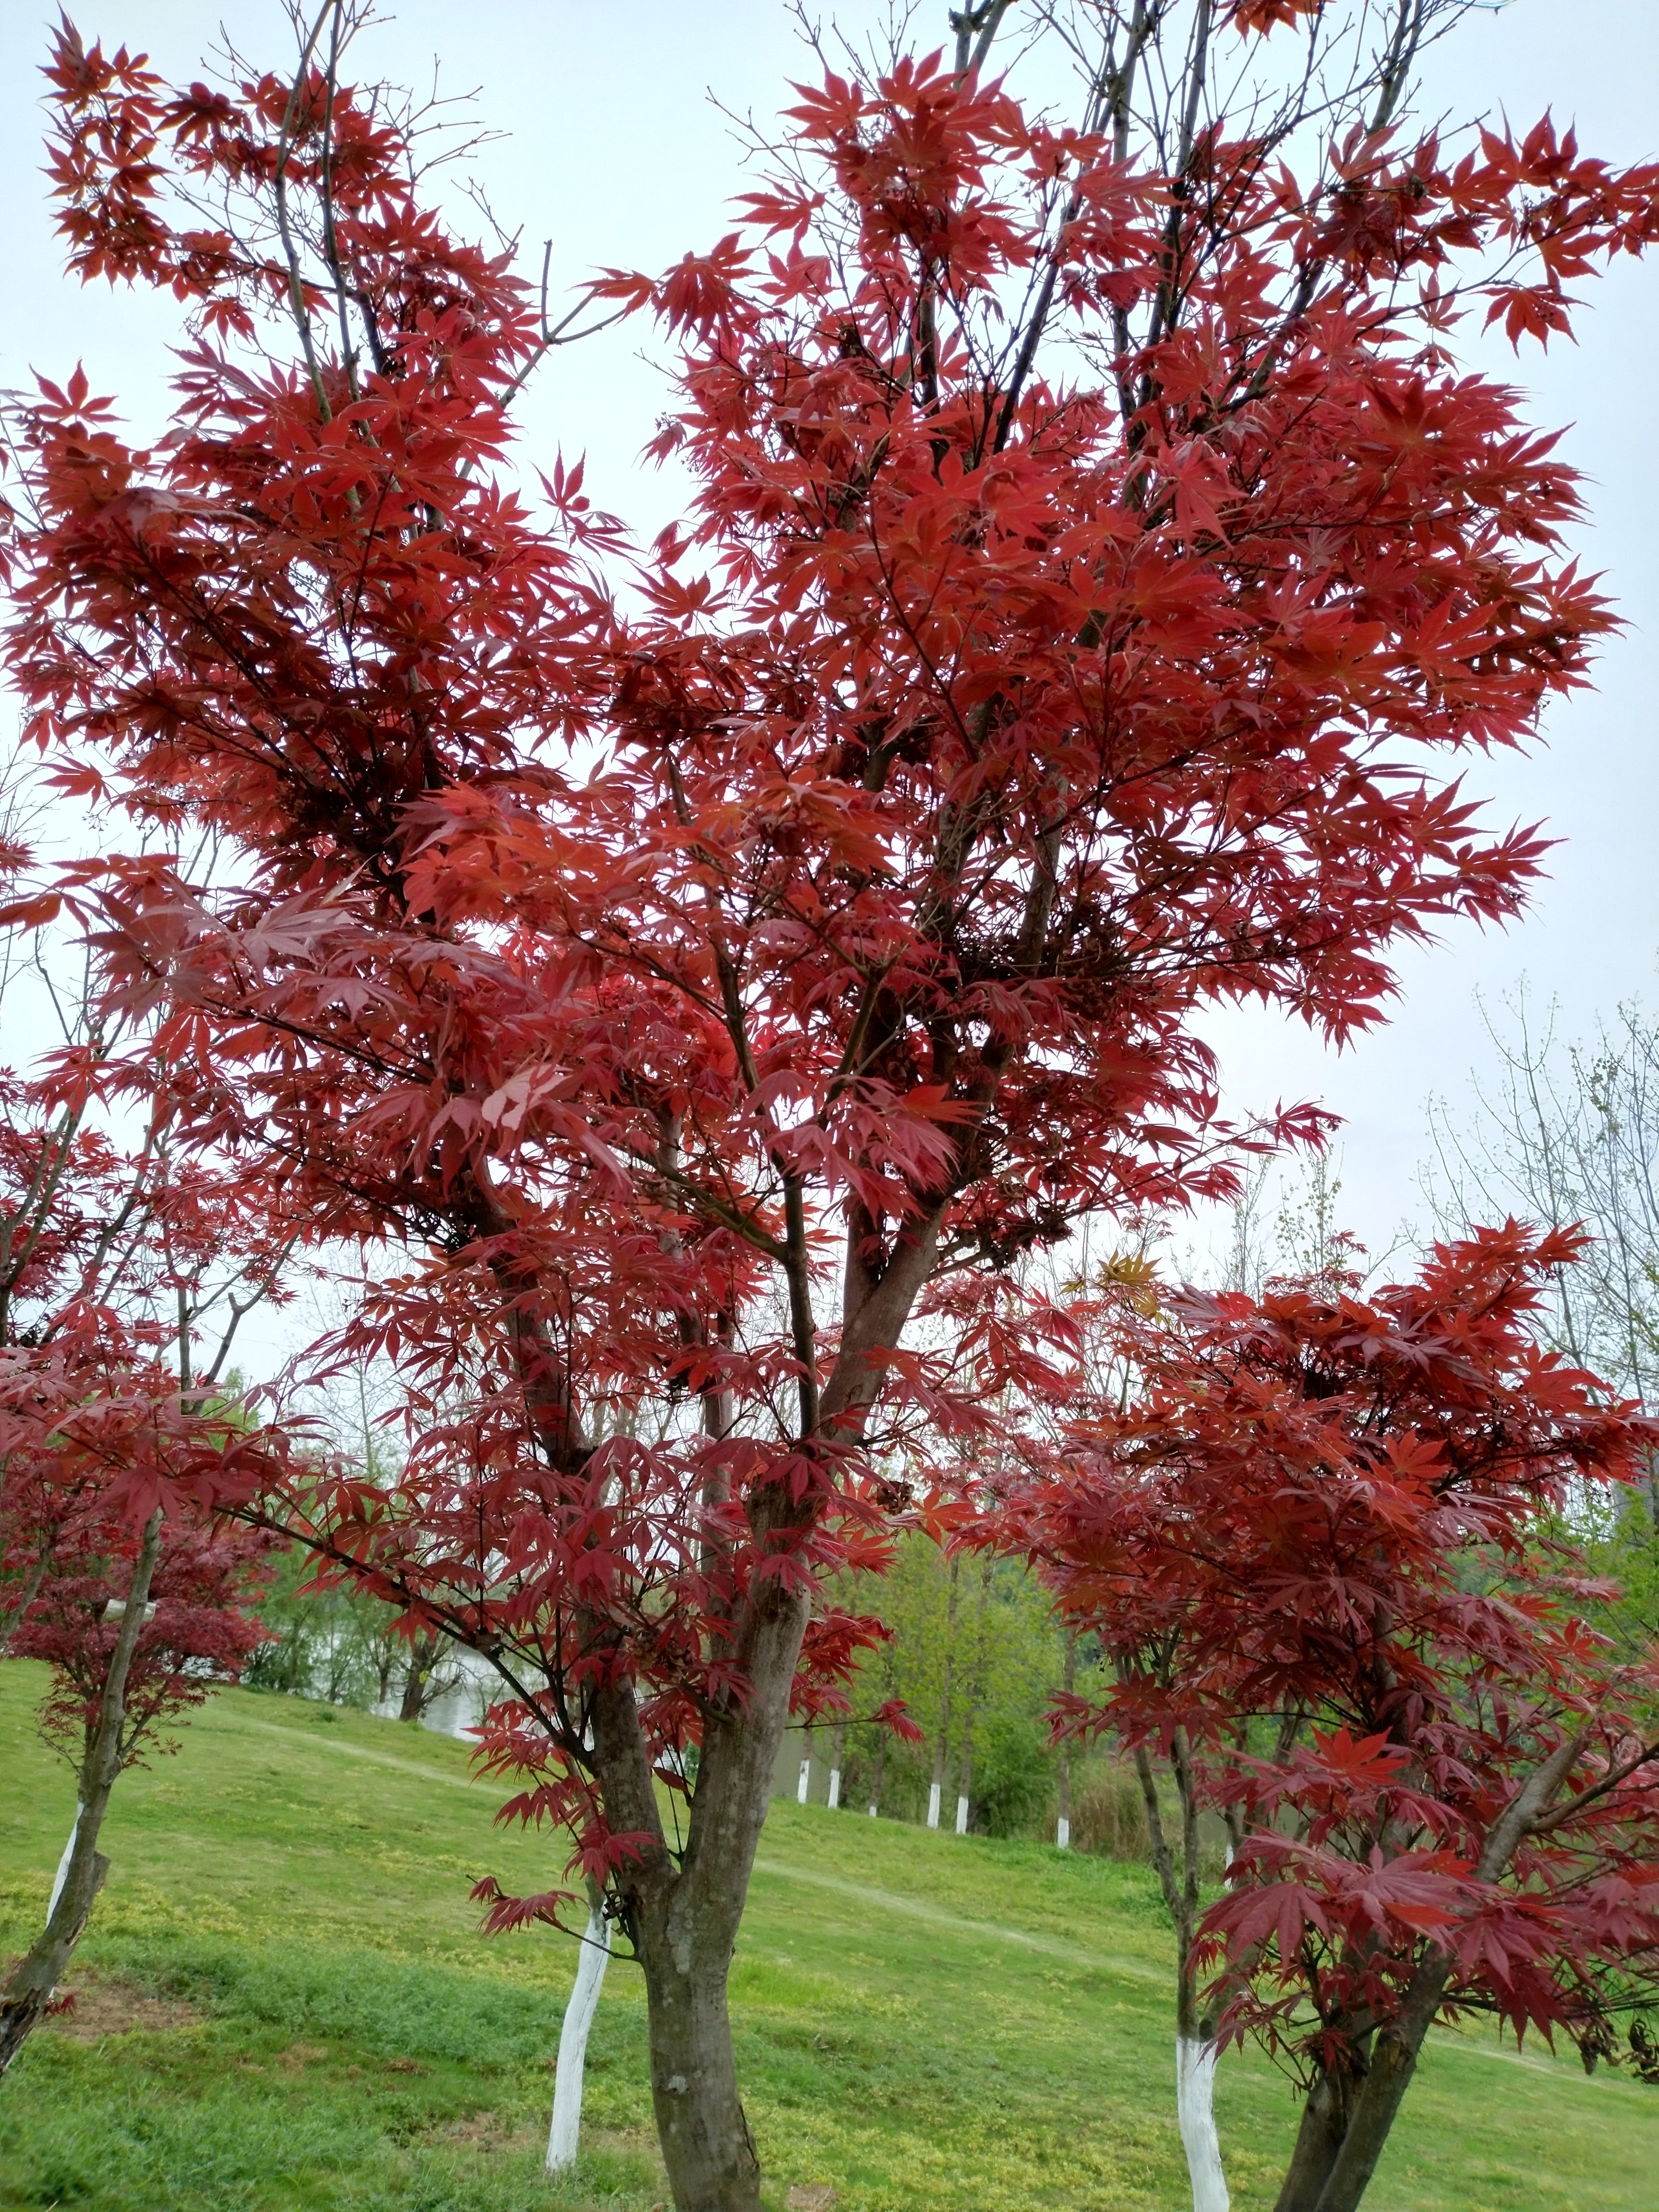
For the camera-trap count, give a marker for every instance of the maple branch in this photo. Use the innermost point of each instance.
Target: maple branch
(331, 243)
(1520, 1816)
(240, 1308)
(1394, 75)
(1609, 1783)
(977, 29)
(552, 335)
(34, 1205)
(297, 282)
(731, 1217)
(17, 1611)
(1110, 94)
(802, 1328)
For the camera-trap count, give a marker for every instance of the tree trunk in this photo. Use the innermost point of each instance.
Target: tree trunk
(14, 1617)
(1348, 2116)
(941, 1742)
(1381, 2090)
(1195, 2058)
(1196, 2051)
(1068, 1683)
(423, 1652)
(1318, 2141)
(876, 1778)
(837, 1755)
(566, 2127)
(713, 2166)
(682, 1910)
(974, 1700)
(29, 1991)
(1371, 2112)
(683, 1921)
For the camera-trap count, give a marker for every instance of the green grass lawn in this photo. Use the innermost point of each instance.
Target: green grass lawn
(285, 2005)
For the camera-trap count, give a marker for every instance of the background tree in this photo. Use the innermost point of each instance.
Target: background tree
(974, 1677)
(125, 1270)
(127, 1599)
(196, 1629)
(1094, 567)
(332, 1642)
(1567, 1135)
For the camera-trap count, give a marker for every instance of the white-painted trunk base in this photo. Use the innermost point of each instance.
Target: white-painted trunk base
(932, 1804)
(873, 1812)
(962, 1816)
(805, 1782)
(1196, 2110)
(561, 2136)
(1062, 1834)
(835, 1788)
(62, 1876)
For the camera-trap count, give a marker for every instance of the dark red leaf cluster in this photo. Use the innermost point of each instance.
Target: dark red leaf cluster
(1327, 1544)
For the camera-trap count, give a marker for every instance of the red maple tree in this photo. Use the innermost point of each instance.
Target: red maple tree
(125, 1269)
(200, 1628)
(706, 967)
(1324, 1541)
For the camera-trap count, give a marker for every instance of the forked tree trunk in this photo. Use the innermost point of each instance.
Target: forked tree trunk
(1349, 2131)
(682, 1911)
(1318, 2141)
(422, 1654)
(1374, 2111)
(29, 1991)
(1348, 2116)
(684, 1920)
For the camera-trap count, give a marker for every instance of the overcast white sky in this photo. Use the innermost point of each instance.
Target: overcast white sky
(613, 147)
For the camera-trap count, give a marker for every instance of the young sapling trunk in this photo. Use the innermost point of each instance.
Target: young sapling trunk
(593, 1958)
(1068, 1683)
(1196, 2049)
(29, 1990)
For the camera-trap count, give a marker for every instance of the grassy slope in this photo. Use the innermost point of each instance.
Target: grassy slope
(921, 2021)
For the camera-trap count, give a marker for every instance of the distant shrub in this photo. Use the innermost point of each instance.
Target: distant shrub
(904, 1771)
(1109, 1815)
(1013, 1777)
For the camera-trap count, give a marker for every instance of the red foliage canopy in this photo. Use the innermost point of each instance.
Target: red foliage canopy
(1013, 721)
(1327, 1544)
(203, 1631)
